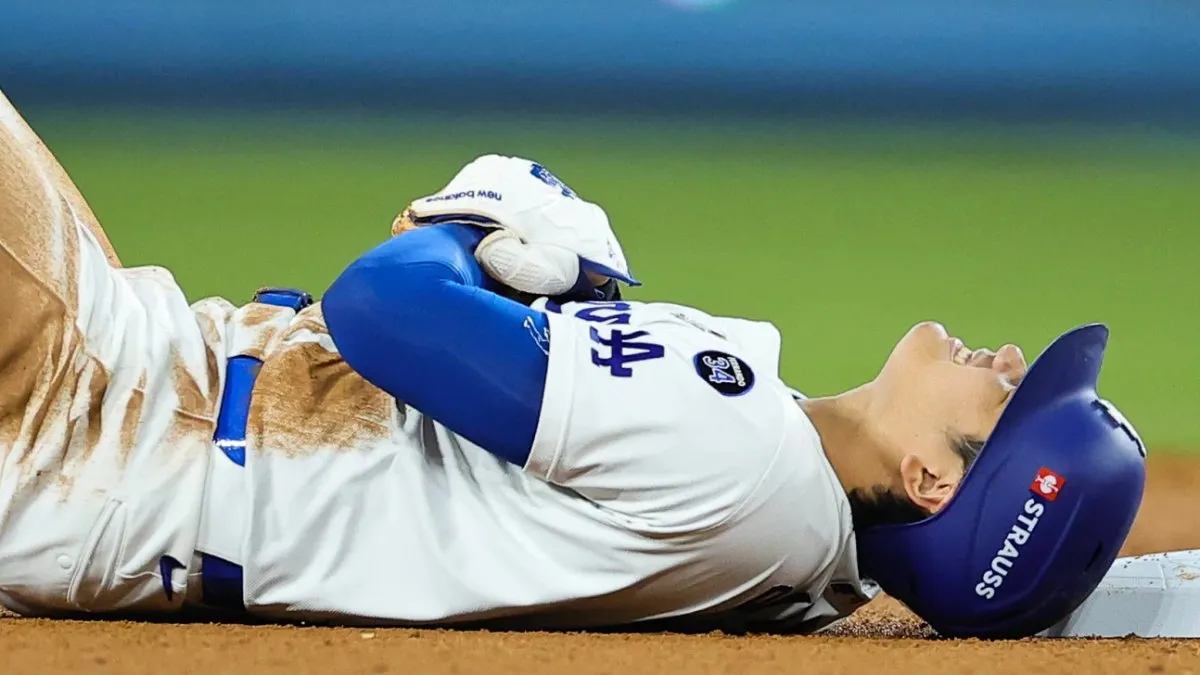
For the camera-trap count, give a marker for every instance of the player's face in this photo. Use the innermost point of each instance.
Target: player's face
(936, 392)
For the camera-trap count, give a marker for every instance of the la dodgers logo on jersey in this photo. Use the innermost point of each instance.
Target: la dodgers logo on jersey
(1047, 484)
(541, 336)
(724, 372)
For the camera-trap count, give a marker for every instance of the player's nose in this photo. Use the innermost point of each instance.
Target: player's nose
(1010, 363)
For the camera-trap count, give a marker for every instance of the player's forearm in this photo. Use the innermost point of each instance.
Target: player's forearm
(413, 317)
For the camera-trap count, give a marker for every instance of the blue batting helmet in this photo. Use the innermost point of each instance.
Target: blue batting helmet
(1039, 518)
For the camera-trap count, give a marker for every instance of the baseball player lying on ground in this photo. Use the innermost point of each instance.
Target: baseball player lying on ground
(473, 429)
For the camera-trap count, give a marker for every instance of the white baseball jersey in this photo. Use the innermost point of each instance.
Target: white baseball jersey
(673, 478)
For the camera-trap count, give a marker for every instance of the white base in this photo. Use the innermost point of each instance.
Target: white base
(1154, 595)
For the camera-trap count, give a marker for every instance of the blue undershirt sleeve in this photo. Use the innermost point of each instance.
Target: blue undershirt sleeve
(418, 318)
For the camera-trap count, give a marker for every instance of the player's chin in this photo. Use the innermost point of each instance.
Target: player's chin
(928, 333)
(926, 341)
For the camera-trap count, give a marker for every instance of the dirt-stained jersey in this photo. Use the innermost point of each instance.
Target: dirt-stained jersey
(673, 479)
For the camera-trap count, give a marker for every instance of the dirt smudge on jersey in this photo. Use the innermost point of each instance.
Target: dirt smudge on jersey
(308, 399)
(310, 318)
(259, 328)
(257, 313)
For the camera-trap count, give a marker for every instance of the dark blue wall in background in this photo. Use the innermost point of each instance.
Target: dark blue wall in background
(1050, 59)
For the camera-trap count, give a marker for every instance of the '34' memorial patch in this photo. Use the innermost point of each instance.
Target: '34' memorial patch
(726, 373)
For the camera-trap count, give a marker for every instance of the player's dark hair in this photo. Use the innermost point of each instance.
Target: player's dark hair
(967, 448)
(880, 506)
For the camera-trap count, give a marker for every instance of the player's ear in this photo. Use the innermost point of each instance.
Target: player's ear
(924, 485)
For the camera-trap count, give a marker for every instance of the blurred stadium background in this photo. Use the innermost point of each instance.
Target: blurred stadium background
(844, 169)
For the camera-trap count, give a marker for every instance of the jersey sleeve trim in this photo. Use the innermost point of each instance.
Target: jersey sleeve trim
(551, 433)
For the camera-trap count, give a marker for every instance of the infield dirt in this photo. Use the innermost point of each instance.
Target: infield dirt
(883, 638)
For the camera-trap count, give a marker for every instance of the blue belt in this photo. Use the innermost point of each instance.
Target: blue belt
(222, 580)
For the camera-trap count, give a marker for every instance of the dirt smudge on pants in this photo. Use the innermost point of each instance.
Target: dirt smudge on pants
(39, 342)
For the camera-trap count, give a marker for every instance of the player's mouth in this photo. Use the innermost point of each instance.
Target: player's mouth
(958, 351)
(965, 356)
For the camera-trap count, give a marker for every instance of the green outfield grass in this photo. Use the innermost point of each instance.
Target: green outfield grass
(843, 236)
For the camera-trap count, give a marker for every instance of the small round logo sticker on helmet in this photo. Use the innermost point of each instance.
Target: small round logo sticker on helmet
(1047, 484)
(726, 373)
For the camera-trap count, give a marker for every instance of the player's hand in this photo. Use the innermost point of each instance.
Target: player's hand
(538, 270)
(554, 238)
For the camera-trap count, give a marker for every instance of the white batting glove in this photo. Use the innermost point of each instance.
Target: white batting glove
(545, 220)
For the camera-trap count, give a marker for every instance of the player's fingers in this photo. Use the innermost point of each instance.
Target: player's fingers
(403, 222)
